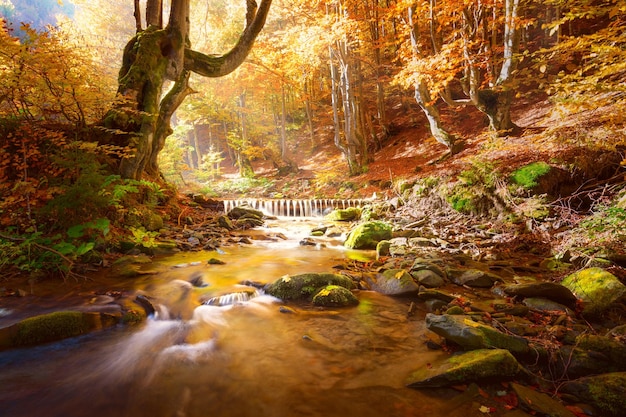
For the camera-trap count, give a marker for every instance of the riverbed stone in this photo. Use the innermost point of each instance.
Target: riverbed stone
(575, 362)
(391, 282)
(472, 277)
(241, 212)
(606, 392)
(545, 305)
(335, 296)
(367, 235)
(597, 288)
(610, 347)
(428, 278)
(469, 334)
(53, 326)
(305, 286)
(539, 403)
(477, 365)
(550, 290)
(344, 215)
(382, 249)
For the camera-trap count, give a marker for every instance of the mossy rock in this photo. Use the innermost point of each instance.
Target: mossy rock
(476, 365)
(597, 288)
(335, 296)
(151, 221)
(383, 248)
(367, 235)
(605, 392)
(344, 215)
(469, 334)
(52, 327)
(245, 212)
(305, 286)
(391, 282)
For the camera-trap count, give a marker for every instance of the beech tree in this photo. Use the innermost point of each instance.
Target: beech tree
(157, 56)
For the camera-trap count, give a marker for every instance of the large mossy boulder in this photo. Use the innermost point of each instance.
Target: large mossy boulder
(52, 327)
(367, 235)
(477, 365)
(305, 286)
(605, 392)
(469, 334)
(597, 288)
(335, 296)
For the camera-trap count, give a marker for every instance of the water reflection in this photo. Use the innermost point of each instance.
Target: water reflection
(251, 358)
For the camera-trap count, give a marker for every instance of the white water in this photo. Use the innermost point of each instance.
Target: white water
(293, 207)
(245, 358)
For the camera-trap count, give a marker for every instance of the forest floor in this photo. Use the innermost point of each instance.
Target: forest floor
(410, 152)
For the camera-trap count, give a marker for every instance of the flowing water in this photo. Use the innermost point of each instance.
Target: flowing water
(250, 358)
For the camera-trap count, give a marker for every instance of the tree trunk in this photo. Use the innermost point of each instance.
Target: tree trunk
(139, 121)
(423, 97)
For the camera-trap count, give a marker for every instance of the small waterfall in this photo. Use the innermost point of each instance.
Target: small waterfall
(237, 297)
(294, 207)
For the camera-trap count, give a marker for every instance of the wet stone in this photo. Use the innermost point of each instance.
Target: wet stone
(466, 367)
(473, 278)
(540, 403)
(549, 290)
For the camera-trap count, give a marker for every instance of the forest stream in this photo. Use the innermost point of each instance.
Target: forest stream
(253, 356)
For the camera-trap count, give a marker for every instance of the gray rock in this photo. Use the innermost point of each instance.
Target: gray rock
(428, 278)
(391, 282)
(543, 304)
(473, 278)
(550, 290)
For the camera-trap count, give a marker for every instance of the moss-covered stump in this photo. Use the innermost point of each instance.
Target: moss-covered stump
(344, 215)
(605, 392)
(305, 286)
(466, 367)
(52, 327)
(367, 235)
(469, 334)
(335, 296)
(597, 288)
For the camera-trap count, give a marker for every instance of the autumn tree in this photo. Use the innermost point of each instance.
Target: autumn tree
(157, 55)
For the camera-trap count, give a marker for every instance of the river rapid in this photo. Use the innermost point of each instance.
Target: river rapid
(258, 357)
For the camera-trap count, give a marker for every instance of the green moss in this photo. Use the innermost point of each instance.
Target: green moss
(335, 296)
(344, 215)
(303, 286)
(462, 199)
(528, 175)
(367, 235)
(607, 393)
(482, 363)
(50, 327)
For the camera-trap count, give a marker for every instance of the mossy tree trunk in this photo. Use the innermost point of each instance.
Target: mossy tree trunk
(140, 119)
